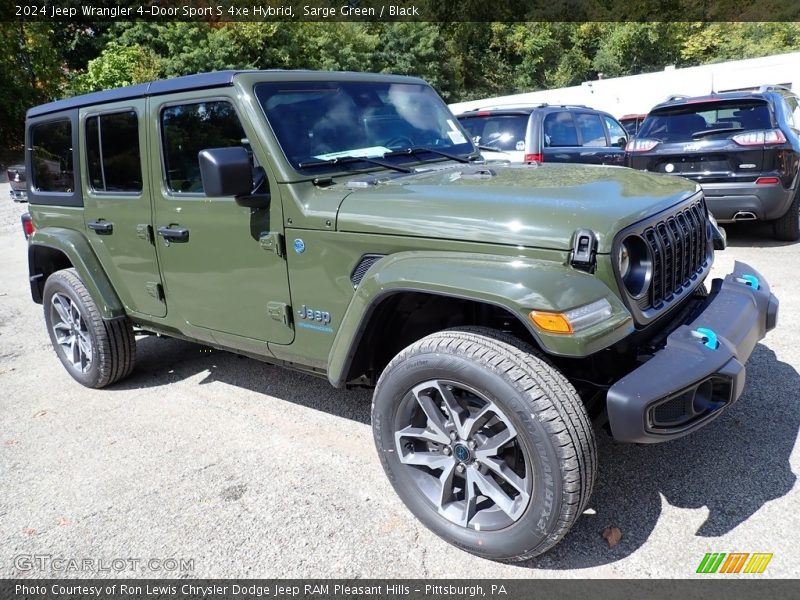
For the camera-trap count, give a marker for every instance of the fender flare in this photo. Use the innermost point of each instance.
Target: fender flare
(77, 249)
(516, 284)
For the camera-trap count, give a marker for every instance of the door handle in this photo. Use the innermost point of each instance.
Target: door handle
(101, 227)
(173, 234)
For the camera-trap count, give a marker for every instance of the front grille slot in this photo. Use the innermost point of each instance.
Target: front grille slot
(678, 246)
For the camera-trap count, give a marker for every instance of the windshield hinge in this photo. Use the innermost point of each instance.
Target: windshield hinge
(272, 241)
(584, 250)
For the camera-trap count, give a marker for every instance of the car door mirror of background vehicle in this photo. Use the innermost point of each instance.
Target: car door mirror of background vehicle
(621, 142)
(229, 172)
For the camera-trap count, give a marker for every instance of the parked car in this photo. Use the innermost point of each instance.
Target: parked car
(632, 123)
(547, 133)
(742, 147)
(16, 179)
(343, 225)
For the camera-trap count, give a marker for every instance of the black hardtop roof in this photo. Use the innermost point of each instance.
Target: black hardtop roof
(720, 97)
(197, 82)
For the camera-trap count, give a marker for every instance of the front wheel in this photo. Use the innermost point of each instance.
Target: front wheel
(486, 443)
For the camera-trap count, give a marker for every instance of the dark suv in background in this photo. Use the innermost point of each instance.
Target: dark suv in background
(547, 133)
(742, 147)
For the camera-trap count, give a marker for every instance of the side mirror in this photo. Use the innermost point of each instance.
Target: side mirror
(229, 172)
(621, 142)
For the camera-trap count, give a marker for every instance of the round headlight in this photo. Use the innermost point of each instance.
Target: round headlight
(635, 265)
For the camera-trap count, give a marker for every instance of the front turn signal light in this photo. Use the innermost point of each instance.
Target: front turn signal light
(550, 322)
(577, 319)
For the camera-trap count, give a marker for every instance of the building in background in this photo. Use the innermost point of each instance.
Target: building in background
(637, 94)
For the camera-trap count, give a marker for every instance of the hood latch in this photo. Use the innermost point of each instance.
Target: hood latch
(584, 250)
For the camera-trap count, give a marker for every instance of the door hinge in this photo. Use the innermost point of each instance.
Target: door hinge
(280, 311)
(154, 289)
(145, 232)
(272, 241)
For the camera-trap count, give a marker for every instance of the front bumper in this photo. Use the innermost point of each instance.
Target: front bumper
(727, 200)
(700, 371)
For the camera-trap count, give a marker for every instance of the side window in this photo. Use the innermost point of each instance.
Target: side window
(189, 128)
(793, 111)
(615, 131)
(591, 128)
(112, 152)
(51, 157)
(559, 130)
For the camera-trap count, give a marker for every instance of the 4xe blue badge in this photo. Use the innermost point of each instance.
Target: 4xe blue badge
(299, 246)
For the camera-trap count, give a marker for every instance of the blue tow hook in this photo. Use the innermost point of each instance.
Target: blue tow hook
(749, 280)
(708, 337)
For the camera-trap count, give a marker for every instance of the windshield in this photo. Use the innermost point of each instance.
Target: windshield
(317, 122)
(708, 119)
(501, 132)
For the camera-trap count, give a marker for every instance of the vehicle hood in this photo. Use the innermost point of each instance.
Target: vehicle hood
(518, 205)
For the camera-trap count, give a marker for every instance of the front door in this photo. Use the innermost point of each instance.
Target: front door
(219, 262)
(117, 209)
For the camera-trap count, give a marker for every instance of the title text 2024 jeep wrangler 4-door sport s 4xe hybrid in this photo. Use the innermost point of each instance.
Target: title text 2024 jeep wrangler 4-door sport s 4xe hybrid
(343, 224)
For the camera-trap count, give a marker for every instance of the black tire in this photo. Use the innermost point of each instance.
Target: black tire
(113, 345)
(787, 228)
(552, 427)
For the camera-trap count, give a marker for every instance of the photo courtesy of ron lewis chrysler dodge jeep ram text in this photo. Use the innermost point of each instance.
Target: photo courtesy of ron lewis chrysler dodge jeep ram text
(344, 224)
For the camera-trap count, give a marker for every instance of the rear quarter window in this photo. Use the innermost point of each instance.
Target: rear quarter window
(51, 157)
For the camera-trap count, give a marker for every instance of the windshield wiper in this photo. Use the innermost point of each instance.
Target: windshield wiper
(420, 149)
(706, 132)
(490, 149)
(342, 160)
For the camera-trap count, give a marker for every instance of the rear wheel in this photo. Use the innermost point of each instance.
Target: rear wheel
(787, 228)
(487, 444)
(94, 351)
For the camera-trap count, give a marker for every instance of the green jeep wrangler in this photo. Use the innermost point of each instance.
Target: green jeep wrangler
(345, 225)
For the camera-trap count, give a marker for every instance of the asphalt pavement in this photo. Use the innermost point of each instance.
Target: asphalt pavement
(206, 464)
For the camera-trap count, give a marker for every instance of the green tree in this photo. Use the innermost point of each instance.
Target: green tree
(118, 66)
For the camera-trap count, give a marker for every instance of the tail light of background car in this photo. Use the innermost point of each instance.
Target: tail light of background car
(760, 138)
(534, 157)
(767, 180)
(641, 145)
(27, 225)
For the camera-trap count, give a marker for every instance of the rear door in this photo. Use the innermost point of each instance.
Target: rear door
(117, 208)
(697, 140)
(223, 264)
(595, 148)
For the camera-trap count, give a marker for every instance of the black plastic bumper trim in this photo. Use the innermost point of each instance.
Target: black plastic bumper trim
(739, 314)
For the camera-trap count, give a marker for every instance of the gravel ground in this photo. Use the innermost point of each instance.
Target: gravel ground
(250, 470)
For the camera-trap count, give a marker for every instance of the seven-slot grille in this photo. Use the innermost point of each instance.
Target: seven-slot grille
(678, 246)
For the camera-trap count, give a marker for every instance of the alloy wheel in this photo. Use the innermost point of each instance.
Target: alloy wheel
(70, 331)
(463, 454)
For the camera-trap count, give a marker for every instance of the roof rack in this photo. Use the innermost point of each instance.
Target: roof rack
(773, 88)
(508, 106)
